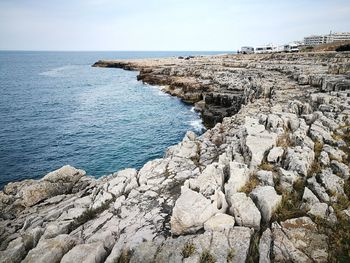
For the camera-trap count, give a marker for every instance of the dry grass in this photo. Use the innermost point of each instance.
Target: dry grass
(124, 257)
(188, 250)
(230, 255)
(290, 204)
(206, 257)
(252, 183)
(284, 140)
(266, 166)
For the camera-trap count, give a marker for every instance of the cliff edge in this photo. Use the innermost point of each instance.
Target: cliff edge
(269, 182)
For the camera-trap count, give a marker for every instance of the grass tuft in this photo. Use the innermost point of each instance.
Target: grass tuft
(188, 250)
(206, 257)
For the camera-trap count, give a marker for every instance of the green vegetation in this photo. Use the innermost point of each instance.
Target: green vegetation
(188, 250)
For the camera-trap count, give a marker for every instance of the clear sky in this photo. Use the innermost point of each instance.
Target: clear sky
(164, 24)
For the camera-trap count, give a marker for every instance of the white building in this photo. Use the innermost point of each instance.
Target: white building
(341, 36)
(324, 39)
(317, 40)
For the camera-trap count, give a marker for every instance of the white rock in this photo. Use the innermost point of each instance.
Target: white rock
(210, 180)
(219, 222)
(50, 250)
(244, 210)
(190, 212)
(267, 200)
(265, 177)
(239, 176)
(87, 253)
(332, 182)
(265, 246)
(275, 155)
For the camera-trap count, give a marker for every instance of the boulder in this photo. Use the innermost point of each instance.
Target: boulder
(190, 212)
(332, 182)
(298, 240)
(87, 253)
(219, 222)
(299, 159)
(50, 250)
(244, 210)
(265, 246)
(340, 169)
(267, 200)
(265, 177)
(275, 155)
(239, 176)
(209, 181)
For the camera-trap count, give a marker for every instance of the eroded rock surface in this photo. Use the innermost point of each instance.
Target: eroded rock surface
(268, 182)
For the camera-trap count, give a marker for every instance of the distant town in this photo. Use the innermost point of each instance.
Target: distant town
(295, 46)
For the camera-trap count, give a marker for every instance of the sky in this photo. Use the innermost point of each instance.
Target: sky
(157, 25)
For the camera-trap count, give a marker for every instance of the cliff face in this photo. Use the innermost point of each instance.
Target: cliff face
(269, 181)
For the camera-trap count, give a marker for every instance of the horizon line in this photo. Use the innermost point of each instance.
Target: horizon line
(67, 50)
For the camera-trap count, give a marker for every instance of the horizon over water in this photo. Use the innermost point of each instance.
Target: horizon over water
(55, 109)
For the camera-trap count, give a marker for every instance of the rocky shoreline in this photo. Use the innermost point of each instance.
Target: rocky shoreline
(269, 182)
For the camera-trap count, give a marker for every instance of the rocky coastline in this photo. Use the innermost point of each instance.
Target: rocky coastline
(268, 182)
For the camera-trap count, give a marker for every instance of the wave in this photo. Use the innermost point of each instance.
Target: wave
(197, 125)
(55, 72)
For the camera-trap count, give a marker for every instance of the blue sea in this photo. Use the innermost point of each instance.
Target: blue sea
(56, 109)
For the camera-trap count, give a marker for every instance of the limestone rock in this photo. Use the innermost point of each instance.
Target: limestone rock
(244, 210)
(265, 177)
(275, 155)
(87, 253)
(267, 200)
(298, 240)
(265, 246)
(50, 250)
(190, 212)
(239, 176)
(219, 222)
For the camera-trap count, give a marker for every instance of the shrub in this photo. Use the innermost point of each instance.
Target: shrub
(206, 257)
(188, 250)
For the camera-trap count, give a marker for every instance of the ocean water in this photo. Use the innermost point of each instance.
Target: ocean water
(56, 109)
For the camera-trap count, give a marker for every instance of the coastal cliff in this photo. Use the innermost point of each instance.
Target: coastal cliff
(268, 182)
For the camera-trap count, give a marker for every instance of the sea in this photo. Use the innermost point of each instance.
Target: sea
(55, 109)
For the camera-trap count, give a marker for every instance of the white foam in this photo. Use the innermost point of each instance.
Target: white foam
(197, 125)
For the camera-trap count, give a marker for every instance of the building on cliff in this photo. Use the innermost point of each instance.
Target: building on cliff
(314, 40)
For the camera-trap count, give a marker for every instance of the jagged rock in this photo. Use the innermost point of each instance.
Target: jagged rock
(309, 198)
(153, 172)
(258, 141)
(265, 177)
(239, 176)
(209, 181)
(50, 250)
(265, 246)
(320, 133)
(299, 159)
(324, 158)
(287, 179)
(334, 154)
(87, 253)
(318, 189)
(298, 240)
(15, 251)
(341, 169)
(275, 155)
(332, 182)
(57, 182)
(244, 210)
(219, 222)
(267, 200)
(190, 212)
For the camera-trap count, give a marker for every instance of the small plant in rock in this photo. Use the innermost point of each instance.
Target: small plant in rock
(266, 166)
(125, 256)
(206, 257)
(188, 250)
(284, 140)
(230, 255)
(252, 183)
